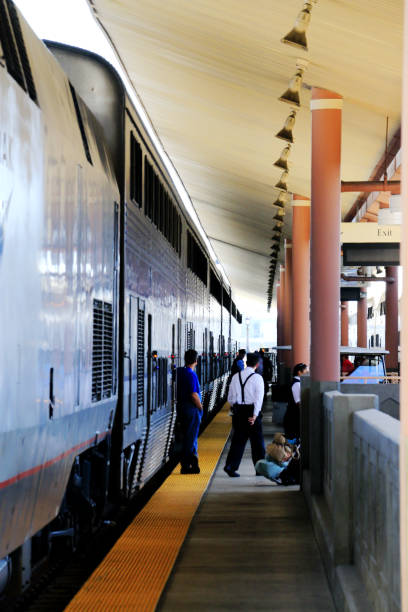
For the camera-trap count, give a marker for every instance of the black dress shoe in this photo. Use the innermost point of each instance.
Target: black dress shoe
(185, 469)
(231, 473)
(190, 470)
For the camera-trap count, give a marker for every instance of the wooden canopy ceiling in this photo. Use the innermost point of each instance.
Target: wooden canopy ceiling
(210, 73)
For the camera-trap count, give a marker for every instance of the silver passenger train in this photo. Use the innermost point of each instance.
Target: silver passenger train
(104, 284)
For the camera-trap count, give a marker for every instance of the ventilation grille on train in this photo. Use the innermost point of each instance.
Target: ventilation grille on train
(102, 351)
(189, 336)
(140, 356)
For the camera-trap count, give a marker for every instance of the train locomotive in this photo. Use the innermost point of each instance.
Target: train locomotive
(105, 283)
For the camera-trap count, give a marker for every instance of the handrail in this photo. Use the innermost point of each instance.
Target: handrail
(390, 379)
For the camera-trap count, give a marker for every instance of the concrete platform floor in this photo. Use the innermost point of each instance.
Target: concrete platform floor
(250, 547)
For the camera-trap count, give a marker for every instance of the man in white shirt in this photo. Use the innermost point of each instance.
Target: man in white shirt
(245, 395)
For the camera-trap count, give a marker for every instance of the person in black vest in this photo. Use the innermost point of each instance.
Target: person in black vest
(238, 363)
(291, 419)
(246, 396)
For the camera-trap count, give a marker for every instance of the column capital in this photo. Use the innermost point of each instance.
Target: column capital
(319, 93)
(322, 99)
(299, 200)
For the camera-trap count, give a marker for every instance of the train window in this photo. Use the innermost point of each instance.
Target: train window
(148, 189)
(80, 124)
(102, 351)
(159, 208)
(173, 232)
(14, 50)
(136, 159)
(226, 299)
(196, 259)
(179, 226)
(156, 200)
(151, 191)
(166, 215)
(162, 221)
(146, 186)
(215, 287)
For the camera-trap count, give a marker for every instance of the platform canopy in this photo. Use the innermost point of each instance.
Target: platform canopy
(210, 73)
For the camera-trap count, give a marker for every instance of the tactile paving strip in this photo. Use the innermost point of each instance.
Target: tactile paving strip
(134, 573)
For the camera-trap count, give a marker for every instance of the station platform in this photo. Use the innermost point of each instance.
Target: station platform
(210, 542)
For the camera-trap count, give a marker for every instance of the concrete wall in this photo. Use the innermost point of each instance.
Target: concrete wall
(388, 396)
(376, 506)
(355, 517)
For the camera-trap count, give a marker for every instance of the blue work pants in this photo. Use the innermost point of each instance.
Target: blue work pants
(190, 419)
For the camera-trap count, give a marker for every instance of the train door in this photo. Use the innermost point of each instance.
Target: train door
(135, 359)
(179, 355)
(152, 365)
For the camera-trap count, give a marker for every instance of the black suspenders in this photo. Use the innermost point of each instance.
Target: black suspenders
(243, 384)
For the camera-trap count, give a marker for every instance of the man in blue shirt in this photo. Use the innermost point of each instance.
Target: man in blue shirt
(238, 363)
(190, 412)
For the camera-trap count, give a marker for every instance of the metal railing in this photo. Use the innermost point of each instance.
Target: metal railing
(393, 379)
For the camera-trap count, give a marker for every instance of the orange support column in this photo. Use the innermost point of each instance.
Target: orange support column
(288, 302)
(362, 322)
(283, 307)
(344, 324)
(391, 318)
(280, 356)
(324, 271)
(278, 320)
(403, 463)
(300, 280)
(325, 235)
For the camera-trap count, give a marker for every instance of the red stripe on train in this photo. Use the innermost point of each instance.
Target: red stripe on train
(50, 462)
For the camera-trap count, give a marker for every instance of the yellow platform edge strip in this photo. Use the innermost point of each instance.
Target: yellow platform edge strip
(134, 573)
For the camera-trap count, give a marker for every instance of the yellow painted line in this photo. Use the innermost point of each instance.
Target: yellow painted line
(134, 573)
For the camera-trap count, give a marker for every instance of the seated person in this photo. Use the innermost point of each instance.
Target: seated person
(346, 366)
(278, 455)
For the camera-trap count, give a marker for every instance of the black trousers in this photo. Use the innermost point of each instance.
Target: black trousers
(242, 430)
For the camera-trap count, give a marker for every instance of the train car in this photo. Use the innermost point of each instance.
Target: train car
(105, 284)
(168, 282)
(59, 228)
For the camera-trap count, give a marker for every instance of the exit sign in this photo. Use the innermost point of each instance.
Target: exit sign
(369, 232)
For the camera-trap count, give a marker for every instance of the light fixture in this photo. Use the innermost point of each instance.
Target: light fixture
(282, 162)
(279, 216)
(282, 184)
(280, 200)
(297, 36)
(286, 132)
(292, 94)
